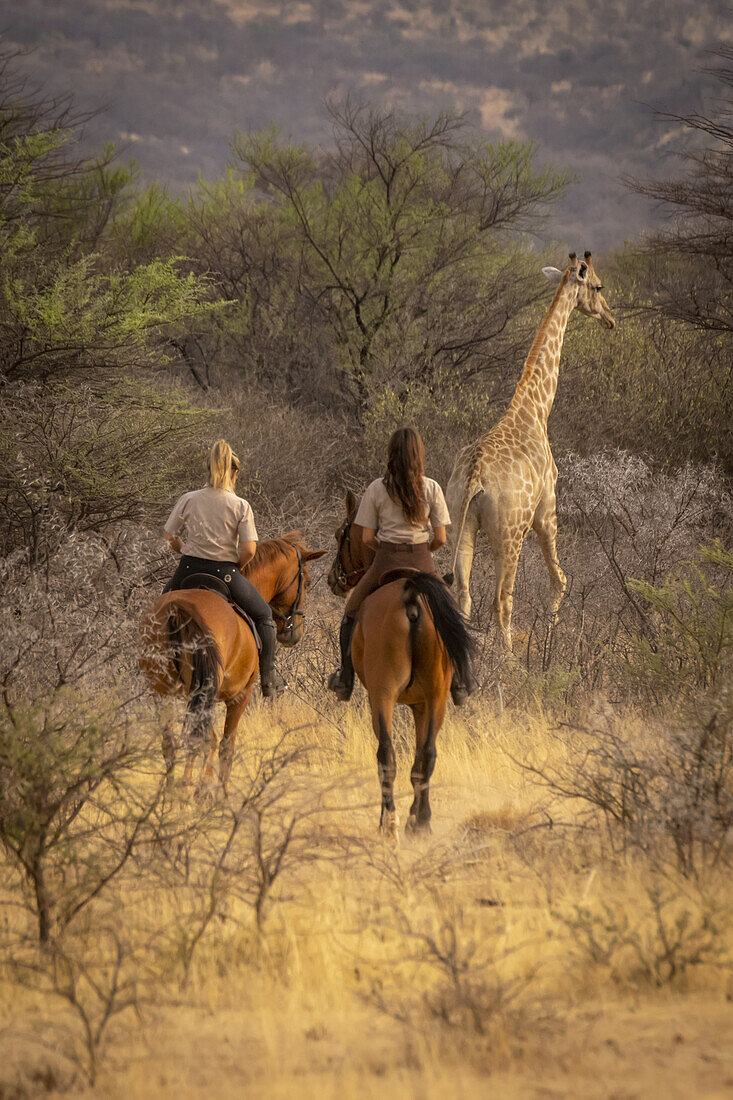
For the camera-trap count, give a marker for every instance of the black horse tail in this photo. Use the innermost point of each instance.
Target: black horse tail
(449, 622)
(188, 636)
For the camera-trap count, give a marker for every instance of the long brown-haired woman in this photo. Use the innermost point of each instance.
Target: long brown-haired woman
(396, 514)
(220, 539)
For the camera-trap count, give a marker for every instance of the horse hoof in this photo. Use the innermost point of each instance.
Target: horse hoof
(389, 826)
(417, 828)
(205, 796)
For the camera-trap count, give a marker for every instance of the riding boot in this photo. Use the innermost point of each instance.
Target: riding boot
(341, 683)
(460, 689)
(271, 682)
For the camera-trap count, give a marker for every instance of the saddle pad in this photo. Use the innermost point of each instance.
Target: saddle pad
(219, 588)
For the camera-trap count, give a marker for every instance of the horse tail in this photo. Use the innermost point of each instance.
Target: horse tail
(449, 623)
(473, 488)
(186, 635)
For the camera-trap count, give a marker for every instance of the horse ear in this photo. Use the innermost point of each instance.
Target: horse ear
(350, 503)
(311, 555)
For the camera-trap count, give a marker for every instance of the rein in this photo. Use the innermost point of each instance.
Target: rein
(350, 578)
(289, 617)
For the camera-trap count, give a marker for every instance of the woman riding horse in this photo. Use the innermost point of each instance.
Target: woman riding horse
(396, 514)
(220, 539)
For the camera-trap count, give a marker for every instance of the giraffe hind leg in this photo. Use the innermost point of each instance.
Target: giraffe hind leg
(506, 573)
(464, 562)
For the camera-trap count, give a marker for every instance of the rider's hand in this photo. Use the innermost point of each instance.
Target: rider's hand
(174, 542)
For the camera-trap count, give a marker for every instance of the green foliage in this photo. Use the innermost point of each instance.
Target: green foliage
(395, 244)
(91, 306)
(690, 645)
(152, 225)
(84, 318)
(80, 458)
(69, 814)
(664, 388)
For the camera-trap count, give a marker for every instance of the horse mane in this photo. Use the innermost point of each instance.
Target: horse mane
(269, 551)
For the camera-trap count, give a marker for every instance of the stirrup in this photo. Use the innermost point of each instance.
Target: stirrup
(339, 687)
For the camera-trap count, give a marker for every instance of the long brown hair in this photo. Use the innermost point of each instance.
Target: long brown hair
(405, 471)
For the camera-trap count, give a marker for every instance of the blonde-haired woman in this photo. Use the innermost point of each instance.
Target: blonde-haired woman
(219, 538)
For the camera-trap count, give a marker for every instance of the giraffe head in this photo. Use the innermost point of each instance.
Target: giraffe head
(590, 301)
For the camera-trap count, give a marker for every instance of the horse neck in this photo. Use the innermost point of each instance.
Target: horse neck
(267, 576)
(362, 557)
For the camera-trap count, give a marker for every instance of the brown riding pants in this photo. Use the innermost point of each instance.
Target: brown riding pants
(389, 555)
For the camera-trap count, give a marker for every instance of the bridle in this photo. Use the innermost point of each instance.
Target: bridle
(347, 579)
(288, 618)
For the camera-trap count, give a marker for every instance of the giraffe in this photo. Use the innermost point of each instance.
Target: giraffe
(504, 483)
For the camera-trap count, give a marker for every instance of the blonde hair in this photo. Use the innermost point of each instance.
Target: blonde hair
(223, 466)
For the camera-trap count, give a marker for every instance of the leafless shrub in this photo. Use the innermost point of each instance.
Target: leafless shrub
(98, 970)
(653, 940)
(232, 859)
(666, 791)
(462, 983)
(645, 521)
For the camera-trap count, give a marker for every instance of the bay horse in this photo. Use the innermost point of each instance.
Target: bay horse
(194, 643)
(408, 640)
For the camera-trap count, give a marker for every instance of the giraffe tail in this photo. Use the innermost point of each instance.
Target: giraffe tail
(473, 488)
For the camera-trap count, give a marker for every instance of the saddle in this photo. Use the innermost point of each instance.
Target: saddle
(401, 573)
(215, 584)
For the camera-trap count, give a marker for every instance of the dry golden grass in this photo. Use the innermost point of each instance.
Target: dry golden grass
(504, 954)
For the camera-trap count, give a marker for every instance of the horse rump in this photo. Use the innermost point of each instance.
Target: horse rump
(449, 622)
(187, 636)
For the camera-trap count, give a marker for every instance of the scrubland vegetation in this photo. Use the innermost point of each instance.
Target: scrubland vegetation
(566, 929)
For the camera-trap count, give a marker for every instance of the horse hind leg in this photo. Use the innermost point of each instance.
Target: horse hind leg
(382, 712)
(168, 741)
(235, 711)
(426, 728)
(198, 728)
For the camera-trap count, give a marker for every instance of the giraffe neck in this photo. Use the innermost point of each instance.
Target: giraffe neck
(536, 388)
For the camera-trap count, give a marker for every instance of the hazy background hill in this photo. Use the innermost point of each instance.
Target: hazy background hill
(178, 76)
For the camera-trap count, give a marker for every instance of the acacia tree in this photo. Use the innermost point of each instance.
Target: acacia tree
(680, 282)
(695, 274)
(397, 244)
(83, 327)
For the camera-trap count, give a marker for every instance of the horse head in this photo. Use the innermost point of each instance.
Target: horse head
(349, 565)
(279, 570)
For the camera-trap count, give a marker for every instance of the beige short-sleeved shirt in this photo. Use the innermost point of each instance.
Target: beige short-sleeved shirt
(380, 513)
(215, 523)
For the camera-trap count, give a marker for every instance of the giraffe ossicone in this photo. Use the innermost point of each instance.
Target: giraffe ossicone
(504, 483)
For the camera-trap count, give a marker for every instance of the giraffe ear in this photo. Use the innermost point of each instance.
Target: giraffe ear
(552, 273)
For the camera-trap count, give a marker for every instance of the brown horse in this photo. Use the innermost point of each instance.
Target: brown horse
(408, 640)
(193, 643)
